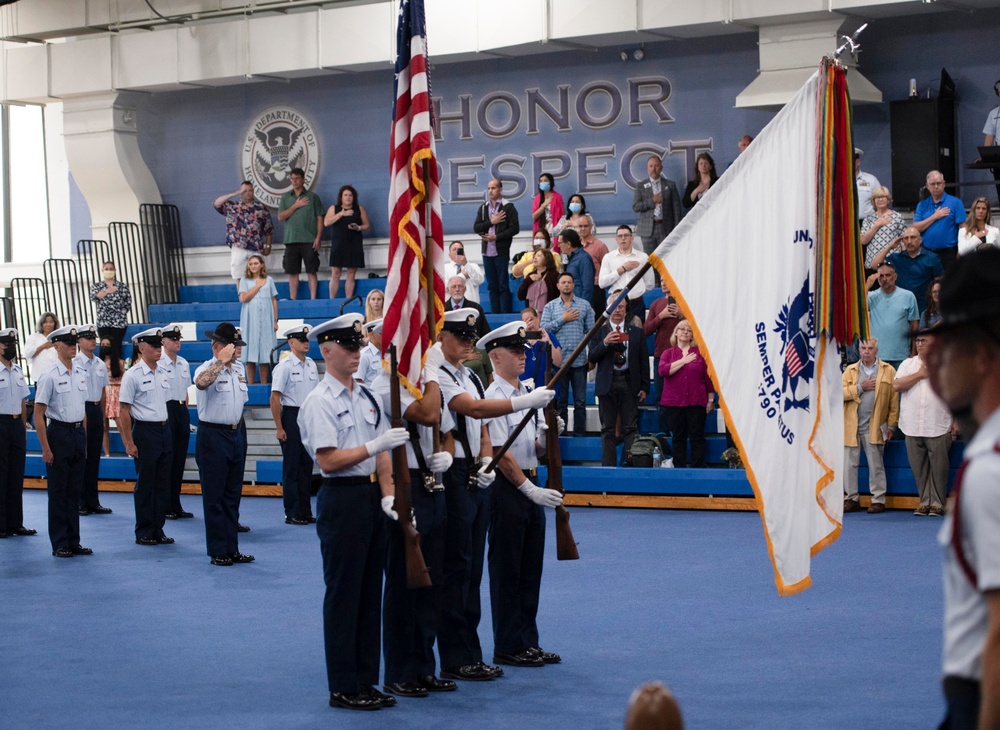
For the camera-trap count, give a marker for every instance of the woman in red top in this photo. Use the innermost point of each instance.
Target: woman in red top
(688, 395)
(547, 207)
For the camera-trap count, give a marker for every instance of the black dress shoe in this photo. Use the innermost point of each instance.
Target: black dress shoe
(432, 684)
(80, 550)
(164, 540)
(99, 510)
(312, 521)
(147, 541)
(522, 659)
(170, 516)
(182, 515)
(62, 553)
(295, 521)
(222, 560)
(405, 689)
(547, 657)
(3, 535)
(242, 528)
(383, 700)
(241, 558)
(23, 531)
(355, 701)
(84, 511)
(469, 673)
(497, 672)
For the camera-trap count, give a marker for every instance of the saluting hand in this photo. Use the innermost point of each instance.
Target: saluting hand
(227, 353)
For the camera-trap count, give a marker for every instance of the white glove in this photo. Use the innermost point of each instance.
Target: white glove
(485, 479)
(389, 440)
(439, 462)
(538, 398)
(560, 425)
(433, 363)
(387, 503)
(543, 497)
(543, 426)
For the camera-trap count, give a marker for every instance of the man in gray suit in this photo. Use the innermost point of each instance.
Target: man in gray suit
(658, 205)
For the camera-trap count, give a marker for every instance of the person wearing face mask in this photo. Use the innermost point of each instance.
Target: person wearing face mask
(526, 264)
(547, 207)
(114, 300)
(576, 210)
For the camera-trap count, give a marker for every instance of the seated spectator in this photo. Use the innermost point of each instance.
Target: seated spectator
(932, 314)
(704, 178)
(928, 428)
(539, 287)
(38, 351)
(525, 265)
(373, 305)
(882, 230)
(977, 231)
(653, 707)
(547, 206)
(688, 395)
(535, 360)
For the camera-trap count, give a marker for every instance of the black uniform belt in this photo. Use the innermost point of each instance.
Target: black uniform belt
(222, 426)
(67, 424)
(94, 403)
(15, 416)
(178, 401)
(349, 481)
(290, 408)
(530, 472)
(149, 423)
(469, 459)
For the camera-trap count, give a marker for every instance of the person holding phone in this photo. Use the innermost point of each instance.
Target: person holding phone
(459, 265)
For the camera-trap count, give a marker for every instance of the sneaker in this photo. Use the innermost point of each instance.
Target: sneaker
(922, 511)
(937, 511)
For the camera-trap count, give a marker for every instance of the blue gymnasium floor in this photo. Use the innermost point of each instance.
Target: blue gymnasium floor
(156, 637)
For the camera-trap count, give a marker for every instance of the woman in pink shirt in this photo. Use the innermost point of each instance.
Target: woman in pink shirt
(688, 395)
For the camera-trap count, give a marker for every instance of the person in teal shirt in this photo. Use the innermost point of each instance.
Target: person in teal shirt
(302, 213)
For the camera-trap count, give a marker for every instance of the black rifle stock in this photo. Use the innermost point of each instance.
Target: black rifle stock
(417, 574)
(565, 544)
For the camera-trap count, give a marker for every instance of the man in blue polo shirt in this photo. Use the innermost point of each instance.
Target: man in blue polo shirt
(915, 266)
(937, 218)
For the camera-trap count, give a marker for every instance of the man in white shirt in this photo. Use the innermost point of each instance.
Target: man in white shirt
(866, 183)
(618, 268)
(459, 265)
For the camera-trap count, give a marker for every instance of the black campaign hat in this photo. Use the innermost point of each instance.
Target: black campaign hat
(226, 334)
(970, 291)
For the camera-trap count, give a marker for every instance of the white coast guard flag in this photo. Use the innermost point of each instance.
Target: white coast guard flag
(742, 265)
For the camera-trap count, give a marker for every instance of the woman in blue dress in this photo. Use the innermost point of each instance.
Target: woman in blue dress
(258, 317)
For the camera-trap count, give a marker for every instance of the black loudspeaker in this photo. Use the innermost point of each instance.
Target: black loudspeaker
(923, 139)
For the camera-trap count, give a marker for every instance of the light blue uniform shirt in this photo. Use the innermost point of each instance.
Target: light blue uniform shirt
(13, 389)
(222, 401)
(97, 375)
(381, 389)
(63, 392)
(456, 381)
(370, 365)
(523, 448)
(178, 374)
(146, 390)
(334, 417)
(294, 379)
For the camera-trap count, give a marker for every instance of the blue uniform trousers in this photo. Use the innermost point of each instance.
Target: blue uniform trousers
(296, 467)
(95, 443)
(410, 616)
(65, 479)
(12, 454)
(221, 455)
(180, 433)
(464, 556)
(517, 542)
(351, 528)
(152, 484)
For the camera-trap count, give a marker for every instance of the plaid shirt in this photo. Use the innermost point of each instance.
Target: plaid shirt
(572, 333)
(246, 226)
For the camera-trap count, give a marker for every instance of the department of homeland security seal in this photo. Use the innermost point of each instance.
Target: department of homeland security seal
(278, 140)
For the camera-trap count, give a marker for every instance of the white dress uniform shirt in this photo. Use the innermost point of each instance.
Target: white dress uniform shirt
(523, 449)
(147, 391)
(335, 418)
(97, 375)
(369, 365)
(453, 382)
(178, 374)
(294, 379)
(63, 392)
(381, 389)
(222, 401)
(13, 390)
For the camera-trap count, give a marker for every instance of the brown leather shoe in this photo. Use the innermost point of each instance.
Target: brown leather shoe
(876, 508)
(922, 511)
(937, 511)
(852, 505)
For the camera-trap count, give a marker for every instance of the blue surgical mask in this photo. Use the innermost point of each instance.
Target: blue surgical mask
(575, 207)
(544, 186)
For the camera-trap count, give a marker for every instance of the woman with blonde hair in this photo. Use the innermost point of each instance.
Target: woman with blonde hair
(373, 305)
(258, 317)
(977, 231)
(882, 229)
(688, 395)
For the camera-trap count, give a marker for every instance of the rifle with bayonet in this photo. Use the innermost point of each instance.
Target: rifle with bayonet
(565, 544)
(417, 574)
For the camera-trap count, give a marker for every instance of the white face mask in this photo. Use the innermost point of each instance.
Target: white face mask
(540, 242)
(109, 274)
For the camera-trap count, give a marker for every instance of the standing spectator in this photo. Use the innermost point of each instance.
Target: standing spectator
(302, 213)
(916, 266)
(538, 342)
(59, 415)
(571, 318)
(348, 219)
(882, 229)
(258, 317)
(459, 265)
(705, 177)
(992, 134)
(618, 269)
(248, 227)
(688, 395)
(658, 204)
(742, 145)
(928, 428)
(932, 313)
(578, 263)
(497, 224)
(148, 440)
(112, 391)
(294, 379)
(619, 352)
(894, 315)
(13, 444)
(871, 412)
(525, 265)
(539, 287)
(977, 232)
(597, 250)
(663, 316)
(373, 305)
(178, 372)
(866, 184)
(547, 207)
(113, 304)
(576, 211)
(937, 218)
(39, 350)
(97, 379)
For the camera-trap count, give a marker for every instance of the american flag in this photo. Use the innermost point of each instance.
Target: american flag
(793, 357)
(413, 197)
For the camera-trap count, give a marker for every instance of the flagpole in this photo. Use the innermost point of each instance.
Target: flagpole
(429, 271)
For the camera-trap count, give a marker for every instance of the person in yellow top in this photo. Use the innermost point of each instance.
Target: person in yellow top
(524, 265)
(871, 413)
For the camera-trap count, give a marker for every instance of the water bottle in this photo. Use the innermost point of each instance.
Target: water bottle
(657, 457)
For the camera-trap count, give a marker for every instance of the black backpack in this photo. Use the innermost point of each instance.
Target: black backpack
(641, 453)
